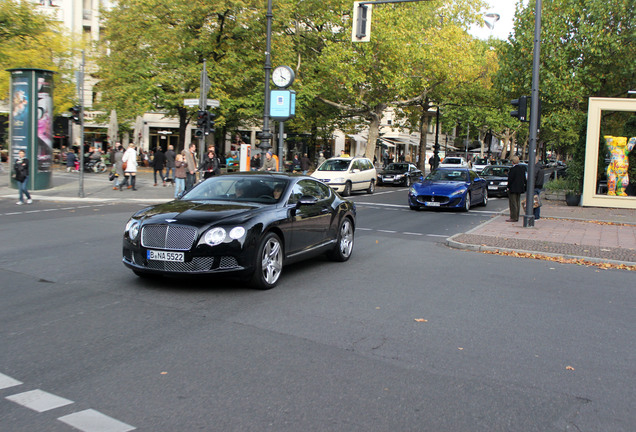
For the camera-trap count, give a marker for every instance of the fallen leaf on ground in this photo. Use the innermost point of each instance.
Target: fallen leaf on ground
(569, 368)
(421, 320)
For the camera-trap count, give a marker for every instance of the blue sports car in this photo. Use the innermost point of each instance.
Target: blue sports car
(458, 188)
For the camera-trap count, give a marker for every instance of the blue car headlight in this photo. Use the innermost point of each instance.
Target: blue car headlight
(459, 192)
(412, 191)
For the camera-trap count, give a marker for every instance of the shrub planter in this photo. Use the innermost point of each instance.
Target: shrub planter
(572, 199)
(555, 195)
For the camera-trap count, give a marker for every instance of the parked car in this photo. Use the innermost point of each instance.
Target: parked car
(480, 163)
(497, 178)
(401, 173)
(244, 224)
(458, 188)
(347, 174)
(453, 162)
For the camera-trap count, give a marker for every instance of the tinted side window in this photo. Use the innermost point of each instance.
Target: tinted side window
(309, 188)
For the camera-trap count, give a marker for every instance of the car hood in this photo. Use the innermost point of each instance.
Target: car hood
(428, 187)
(392, 172)
(494, 177)
(199, 213)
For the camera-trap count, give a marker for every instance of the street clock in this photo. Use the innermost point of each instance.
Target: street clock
(283, 76)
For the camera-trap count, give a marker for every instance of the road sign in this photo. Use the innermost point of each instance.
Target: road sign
(195, 102)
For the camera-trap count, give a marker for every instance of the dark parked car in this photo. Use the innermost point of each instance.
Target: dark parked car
(246, 224)
(458, 188)
(402, 173)
(497, 178)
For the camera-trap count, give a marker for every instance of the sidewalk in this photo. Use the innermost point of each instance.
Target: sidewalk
(599, 235)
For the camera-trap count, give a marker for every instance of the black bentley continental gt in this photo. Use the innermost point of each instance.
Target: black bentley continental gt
(245, 224)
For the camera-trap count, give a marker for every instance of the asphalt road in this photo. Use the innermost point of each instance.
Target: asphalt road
(407, 336)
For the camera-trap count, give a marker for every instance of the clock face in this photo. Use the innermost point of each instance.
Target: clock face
(283, 76)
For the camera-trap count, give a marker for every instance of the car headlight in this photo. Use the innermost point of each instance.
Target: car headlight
(412, 191)
(459, 192)
(214, 236)
(237, 232)
(504, 183)
(399, 176)
(132, 228)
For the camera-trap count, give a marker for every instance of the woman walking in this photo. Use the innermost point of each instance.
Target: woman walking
(21, 168)
(130, 159)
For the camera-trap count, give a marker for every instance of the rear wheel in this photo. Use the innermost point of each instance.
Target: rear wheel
(484, 199)
(269, 262)
(344, 243)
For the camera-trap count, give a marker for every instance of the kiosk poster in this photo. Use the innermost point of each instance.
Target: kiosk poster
(45, 121)
(20, 124)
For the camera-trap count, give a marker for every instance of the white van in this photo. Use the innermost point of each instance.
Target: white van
(346, 174)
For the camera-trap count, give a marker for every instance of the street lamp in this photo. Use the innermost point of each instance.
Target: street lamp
(265, 136)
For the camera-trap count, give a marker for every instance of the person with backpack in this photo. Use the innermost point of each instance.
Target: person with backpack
(21, 176)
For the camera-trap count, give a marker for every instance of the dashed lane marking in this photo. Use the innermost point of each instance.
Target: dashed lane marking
(39, 400)
(93, 421)
(53, 209)
(7, 381)
(406, 233)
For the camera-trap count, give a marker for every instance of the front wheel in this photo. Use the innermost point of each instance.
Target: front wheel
(407, 181)
(467, 202)
(99, 167)
(484, 199)
(344, 243)
(347, 190)
(269, 263)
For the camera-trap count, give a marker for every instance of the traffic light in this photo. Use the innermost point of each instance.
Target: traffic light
(75, 114)
(209, 122)
(361, 31)
(201, 119)
(521, 106)
(198, 133)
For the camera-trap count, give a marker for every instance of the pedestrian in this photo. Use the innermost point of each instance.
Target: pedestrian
(296, 164)
(21, 176)
(268, 164)
(130, 159)
(179, 174)
(119, 168)
(210, 165)
(304, 163)
(170, 161)
(70, 160)
(538, 187)
(516, 186)
(191, 161)
(321, 159)
(158, 162)
(255, 162)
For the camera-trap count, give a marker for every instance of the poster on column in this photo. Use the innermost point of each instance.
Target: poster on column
(45, 121)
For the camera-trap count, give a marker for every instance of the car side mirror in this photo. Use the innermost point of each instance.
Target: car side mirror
(306, 200)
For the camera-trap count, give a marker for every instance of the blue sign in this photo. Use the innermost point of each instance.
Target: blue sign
(282, 104)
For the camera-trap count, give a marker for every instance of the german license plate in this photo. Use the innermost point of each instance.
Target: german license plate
(493, 187)
(432, 204)
(165, 256)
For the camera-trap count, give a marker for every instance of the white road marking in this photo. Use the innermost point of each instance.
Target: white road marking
(39, 400)
(93, 421)
(7, 381)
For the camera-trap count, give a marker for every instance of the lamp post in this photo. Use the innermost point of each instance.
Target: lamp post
(265, 136)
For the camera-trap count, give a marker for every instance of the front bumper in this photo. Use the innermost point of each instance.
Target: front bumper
(436, 201)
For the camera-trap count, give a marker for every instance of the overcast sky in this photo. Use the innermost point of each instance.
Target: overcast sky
(503, 27)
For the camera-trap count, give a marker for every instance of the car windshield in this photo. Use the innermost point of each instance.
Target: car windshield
(451, 160)
(498, 171)
(239, 188)
(397, 167)
(334, 165)
(448, 175)
(481, 161)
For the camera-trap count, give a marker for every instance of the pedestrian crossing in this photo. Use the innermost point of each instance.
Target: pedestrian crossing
(40, 401)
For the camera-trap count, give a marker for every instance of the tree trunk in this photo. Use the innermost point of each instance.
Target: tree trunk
(374, 130)
(424, 121)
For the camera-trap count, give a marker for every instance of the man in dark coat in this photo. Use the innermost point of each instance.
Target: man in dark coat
(158, 162)
(516, 186)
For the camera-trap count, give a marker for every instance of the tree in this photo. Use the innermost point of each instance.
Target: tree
(153, 52)
(29, 39)
(586, 50)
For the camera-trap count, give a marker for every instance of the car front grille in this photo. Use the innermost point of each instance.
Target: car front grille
(168, 237)
(432, 198)
(197, 264)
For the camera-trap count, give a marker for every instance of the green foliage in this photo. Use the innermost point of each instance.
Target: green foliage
(29, 39)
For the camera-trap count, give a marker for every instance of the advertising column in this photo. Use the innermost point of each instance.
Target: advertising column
(31, 123)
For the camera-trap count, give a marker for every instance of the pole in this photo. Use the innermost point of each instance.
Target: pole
(436, 148)
(528, 218)
(281, 143)
(81, 135)
(266, 135)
